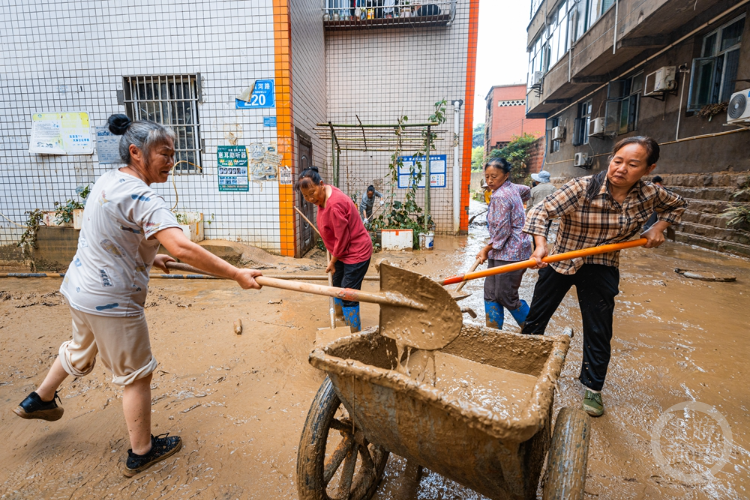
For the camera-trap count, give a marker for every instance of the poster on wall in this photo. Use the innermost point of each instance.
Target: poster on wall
(233, 175)
(107, 146)
(264, 162)
(66, 133)
(437, 171)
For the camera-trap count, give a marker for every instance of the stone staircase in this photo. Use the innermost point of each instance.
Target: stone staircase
(709, 195)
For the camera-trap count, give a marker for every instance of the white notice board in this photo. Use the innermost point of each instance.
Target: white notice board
(67, 133)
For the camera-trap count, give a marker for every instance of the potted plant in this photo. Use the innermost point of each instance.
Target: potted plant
(70, 212)
(191, 224)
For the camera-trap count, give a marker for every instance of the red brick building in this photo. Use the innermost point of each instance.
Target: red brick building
(506, 116)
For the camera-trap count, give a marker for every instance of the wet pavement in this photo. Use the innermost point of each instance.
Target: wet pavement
(240, 402)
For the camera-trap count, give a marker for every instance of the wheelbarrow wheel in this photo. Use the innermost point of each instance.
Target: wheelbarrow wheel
(568, 454)
(334, 460)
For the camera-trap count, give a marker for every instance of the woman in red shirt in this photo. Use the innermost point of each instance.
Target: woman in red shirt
(344, 235)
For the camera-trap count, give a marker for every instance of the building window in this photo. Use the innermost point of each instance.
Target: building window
(623, 103)
(581, 130)
(554, 146)
(713, 74)
(172, 101)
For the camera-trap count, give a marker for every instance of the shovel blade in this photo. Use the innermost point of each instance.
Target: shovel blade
(432, 328)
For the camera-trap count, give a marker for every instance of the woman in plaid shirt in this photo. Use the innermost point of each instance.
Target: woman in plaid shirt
(609, 207)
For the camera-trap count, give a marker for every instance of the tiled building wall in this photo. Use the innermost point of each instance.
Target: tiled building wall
(381, 74)
(309, 96)
(72, 56)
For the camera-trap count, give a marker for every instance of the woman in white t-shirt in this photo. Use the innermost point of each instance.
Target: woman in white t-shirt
(106, 285)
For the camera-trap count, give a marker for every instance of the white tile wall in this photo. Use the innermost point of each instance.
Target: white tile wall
(382, 74)
(71, 56)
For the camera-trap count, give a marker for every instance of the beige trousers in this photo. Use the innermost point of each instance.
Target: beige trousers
(122, 343)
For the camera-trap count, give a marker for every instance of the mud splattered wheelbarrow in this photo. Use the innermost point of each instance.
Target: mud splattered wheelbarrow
(364, 410)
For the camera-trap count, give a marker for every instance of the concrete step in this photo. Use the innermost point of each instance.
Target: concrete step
(712, 244)
(729, 194)
(706, 219)
(735, 180)
(715, 233)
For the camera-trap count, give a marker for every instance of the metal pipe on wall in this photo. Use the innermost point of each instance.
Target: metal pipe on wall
(456, 169)
(617, 12)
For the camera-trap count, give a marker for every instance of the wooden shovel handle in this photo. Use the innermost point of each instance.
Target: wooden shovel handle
(387, 298)
(473, 268)
(525, 264)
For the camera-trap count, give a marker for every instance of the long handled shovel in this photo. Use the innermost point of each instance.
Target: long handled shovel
(525, 264)
(414, 309)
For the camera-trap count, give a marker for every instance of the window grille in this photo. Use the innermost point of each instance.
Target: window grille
(170, 100)
(714, 73)
(623, 104)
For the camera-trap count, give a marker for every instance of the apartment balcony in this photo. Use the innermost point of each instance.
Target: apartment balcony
(372, 14)
(642, 29)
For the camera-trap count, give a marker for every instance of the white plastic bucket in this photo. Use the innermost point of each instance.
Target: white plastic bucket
(429, 241)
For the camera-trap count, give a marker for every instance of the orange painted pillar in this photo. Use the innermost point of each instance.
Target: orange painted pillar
(282, 35)
(471, 69)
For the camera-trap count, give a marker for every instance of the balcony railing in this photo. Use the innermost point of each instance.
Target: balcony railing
(359, 14)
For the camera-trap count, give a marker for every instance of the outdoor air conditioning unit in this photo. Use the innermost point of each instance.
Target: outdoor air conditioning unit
(536, 78)
(558, 133)
(660, 81)
(739, 107)
(582, 160)
(596, 127)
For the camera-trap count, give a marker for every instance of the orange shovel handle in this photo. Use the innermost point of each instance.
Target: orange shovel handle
(525, 264)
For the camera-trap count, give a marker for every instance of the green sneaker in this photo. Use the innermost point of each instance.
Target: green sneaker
(593, 404)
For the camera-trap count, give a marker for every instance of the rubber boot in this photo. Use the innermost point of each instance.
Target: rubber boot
(338, 308)
(494, 313)
(351, 318)
(520, 314)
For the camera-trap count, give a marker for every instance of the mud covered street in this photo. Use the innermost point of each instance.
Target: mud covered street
(240, 401)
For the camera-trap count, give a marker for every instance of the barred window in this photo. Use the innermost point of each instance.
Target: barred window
(170, 100)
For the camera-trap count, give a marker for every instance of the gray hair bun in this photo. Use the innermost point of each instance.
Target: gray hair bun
(118, 124)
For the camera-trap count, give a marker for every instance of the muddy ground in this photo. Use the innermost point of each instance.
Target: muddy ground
(239, 401)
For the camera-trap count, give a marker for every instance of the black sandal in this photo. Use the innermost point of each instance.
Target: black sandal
(162, 446)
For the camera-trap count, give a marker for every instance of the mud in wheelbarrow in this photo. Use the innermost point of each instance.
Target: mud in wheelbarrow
(365, 410)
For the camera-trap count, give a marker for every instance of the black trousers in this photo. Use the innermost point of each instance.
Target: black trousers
(350, 276)
(597, 286)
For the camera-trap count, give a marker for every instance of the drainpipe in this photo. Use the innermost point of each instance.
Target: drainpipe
(684, 71)
(617, 11)
(456, 169)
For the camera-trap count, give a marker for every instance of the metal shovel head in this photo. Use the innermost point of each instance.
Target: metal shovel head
(432, 327)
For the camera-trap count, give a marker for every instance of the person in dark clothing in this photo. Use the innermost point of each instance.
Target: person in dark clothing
(609, 207)
(657, 181)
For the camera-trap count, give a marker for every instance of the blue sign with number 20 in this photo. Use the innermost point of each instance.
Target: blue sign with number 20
(262, 96)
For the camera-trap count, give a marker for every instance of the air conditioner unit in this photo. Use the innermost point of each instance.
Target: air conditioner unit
(581, 160)
(739, 107)
(660, 81)
(596, 127)
(558, 133)
(536, 78)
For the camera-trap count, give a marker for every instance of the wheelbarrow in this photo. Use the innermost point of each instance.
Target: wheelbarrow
(364, 410)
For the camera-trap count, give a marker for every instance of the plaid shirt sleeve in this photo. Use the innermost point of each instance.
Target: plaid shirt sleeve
(669, 206)
(557, 204)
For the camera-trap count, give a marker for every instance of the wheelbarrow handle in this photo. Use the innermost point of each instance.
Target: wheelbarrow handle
(525, 264)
